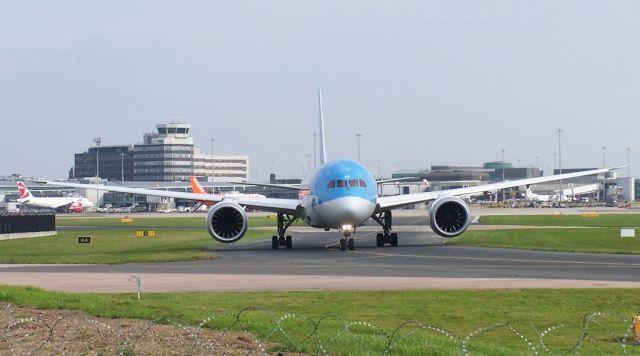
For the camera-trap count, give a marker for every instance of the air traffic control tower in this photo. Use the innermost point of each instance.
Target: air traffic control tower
(166, 155)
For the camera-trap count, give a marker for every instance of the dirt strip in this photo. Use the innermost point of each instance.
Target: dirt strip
(157, 282)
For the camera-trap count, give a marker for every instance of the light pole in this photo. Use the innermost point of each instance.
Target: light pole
(503, 167)
(358, 135)
(97, 141)
(629, 162)
(604, 183)
(560, 162)
(122, 167)
(213, 187)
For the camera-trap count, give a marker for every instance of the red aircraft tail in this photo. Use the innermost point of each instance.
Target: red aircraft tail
(23, 191)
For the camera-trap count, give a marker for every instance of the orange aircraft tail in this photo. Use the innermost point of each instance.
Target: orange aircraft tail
(196, 187)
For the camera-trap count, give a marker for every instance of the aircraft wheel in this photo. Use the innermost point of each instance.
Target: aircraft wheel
(380, 240)
(352, 244)
(343, 244)
(394, 239)
(289, 242)
(274, 242)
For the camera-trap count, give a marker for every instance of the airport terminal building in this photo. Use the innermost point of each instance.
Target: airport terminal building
(166, 155)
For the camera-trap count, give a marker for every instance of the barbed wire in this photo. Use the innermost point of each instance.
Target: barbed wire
(34, 332)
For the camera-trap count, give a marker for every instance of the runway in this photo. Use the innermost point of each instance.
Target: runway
(422, 261)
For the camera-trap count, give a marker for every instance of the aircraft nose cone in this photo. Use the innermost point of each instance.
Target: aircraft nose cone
(352, 211)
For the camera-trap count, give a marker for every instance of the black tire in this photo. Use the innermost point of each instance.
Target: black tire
(274, 242)
(380, 240)
(343, 244)
(351, 244)
(289, 242)
(394, 239)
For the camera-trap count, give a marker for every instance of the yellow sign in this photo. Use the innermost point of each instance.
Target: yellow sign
(147, 233)
(126, 220)
(591, 214)
(636, 328)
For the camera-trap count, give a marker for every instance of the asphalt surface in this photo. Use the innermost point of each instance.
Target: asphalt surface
(420, 254)
(422, 261)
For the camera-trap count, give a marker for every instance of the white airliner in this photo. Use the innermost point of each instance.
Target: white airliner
(75, 204)
(567, 194)
(342, 195)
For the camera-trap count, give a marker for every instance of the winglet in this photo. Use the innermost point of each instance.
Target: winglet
(323, 154)
(619, 167)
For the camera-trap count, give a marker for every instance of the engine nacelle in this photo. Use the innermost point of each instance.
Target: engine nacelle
(449, 216)
(227, 222)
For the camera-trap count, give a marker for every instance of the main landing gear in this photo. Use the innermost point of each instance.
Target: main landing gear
(387, 237)
(284, 221)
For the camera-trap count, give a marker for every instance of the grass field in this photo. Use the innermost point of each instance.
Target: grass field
(177, 239)
(604, 240)
(187, 222)
(602, 220)
(602, 236)
(528, 312)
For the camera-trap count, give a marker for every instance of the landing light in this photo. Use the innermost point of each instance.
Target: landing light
(347, 228)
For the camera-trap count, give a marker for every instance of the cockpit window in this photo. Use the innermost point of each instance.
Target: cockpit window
(341, 183)
(353, 183)
(331, 184)
(363, 184)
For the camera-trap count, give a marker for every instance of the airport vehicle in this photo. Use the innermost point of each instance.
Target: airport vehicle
(64, 204)
(342, 196)
(568, 194)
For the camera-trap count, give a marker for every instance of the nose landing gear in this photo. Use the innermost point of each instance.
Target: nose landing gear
(347, 243)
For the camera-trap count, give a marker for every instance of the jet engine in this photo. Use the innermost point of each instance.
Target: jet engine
(448, 216)
(227, 222)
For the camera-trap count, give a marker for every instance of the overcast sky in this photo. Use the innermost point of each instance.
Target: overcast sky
(424, 82)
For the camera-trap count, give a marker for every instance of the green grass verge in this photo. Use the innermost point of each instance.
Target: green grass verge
(187, 222)
(599, 240)
(114, 242)
(115, 247)
(529, 312)
(602, 220)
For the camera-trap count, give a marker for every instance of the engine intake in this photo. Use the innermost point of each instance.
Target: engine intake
(449, 216)
(227, 222)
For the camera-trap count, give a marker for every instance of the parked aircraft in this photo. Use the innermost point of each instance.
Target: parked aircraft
(75, 204)
(198, 189)
(342, 196)
(567, 194)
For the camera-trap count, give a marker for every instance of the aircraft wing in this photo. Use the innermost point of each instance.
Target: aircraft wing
(397, 201)
(295, 187)
(289, 206)
(382, 181)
